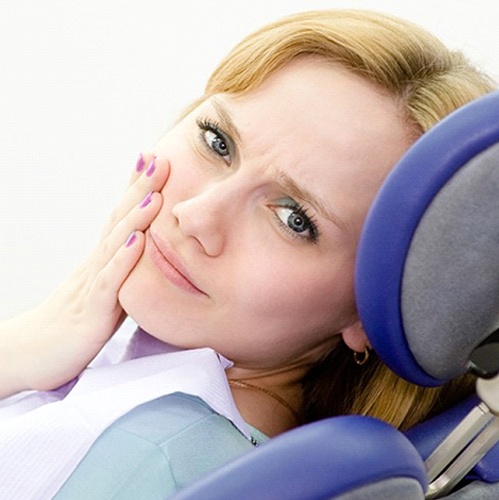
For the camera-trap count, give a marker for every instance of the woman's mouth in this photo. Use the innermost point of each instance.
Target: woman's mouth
(169, 264)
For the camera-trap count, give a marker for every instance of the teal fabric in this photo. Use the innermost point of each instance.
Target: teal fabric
(156, 449)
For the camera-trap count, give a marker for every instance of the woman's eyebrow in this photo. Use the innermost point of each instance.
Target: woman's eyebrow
(289, 186)
(226, 121)
(286, 183)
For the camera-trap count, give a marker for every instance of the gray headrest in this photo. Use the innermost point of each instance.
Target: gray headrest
(451, 277)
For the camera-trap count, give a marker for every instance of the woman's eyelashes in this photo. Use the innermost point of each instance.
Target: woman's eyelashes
(215, 140)
(294, 220)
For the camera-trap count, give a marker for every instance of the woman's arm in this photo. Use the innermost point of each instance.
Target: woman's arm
(49, 345)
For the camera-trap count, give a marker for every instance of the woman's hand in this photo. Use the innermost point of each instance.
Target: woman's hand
(51, 344)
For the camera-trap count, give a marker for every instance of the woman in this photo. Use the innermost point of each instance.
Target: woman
(241, 228)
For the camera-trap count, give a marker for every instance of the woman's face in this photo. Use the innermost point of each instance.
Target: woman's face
(261, 216)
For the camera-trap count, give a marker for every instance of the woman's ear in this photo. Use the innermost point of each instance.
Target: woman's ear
(355, 337)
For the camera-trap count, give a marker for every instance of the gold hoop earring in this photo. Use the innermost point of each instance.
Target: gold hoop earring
(361, 357)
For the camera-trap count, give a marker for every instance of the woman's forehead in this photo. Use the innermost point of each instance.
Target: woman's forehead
(311, 109)
(312, 94)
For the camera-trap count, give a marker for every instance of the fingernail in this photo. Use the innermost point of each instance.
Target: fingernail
(131, 240)
(151, 168)
(139, 166)
(146, 200)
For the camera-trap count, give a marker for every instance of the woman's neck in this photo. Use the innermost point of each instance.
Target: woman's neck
(270, 403)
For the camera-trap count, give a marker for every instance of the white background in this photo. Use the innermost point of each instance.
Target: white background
(85, 85)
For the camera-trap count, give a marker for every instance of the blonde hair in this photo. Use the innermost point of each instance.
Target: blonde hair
(401, 58)
(428, 81)
(338, 386)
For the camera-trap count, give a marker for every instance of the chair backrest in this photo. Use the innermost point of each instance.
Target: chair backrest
(427, 277)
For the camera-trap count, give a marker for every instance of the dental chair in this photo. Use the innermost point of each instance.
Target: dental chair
(427, 284)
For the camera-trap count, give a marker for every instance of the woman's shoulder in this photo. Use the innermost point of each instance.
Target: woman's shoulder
(178, 418)
(156, 449)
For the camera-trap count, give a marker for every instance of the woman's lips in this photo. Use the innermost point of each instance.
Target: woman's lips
(169, 264)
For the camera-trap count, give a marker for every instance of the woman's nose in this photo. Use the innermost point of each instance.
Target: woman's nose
(204, 217)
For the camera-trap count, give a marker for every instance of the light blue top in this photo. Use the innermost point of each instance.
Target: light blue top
(156, 449)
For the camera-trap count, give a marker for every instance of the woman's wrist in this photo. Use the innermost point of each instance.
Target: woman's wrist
(14, 365)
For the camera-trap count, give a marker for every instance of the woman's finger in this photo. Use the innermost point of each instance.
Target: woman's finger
(103, 296)
(152, 178)
(138, 219)
(141, 165)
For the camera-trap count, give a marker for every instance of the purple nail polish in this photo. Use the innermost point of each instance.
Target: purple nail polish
(151, 168)
(139, 166)
(146, 200)
(131, 240)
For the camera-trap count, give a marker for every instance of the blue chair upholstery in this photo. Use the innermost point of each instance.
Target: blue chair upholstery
(355, 457)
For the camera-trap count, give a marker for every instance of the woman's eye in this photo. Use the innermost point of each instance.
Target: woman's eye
(216, 143)
(296, 221)
(215, 140)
